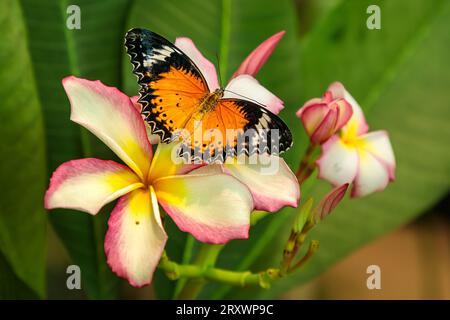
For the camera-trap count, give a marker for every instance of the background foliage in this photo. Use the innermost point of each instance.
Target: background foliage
(398, 74)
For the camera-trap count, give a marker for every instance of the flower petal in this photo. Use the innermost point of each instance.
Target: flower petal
(135, 239)
(272, 183)
(345, 112)
(327, 128)
(248, 88)
(338, 163)
(166, 162)
(213, 208)
(111, 116)
(310, 102)
(357, 124)
(312, 114)
(136, 104)
(379, 145)
(372, 175)
(152, 138)
(256, 59)
(206, 67)
(89, 184)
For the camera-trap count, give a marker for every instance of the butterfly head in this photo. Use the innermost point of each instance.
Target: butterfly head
(219, 92)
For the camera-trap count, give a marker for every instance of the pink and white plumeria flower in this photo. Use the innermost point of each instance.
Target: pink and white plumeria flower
(214, 208)
(357, 156)
(323, 117)
(211, 204)
(270, 192)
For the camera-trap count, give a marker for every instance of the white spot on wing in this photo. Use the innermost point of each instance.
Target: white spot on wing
(156, 56)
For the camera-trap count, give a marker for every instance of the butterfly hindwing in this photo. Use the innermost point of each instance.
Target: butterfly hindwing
(238, 127)
(171, 84)
(264, 132)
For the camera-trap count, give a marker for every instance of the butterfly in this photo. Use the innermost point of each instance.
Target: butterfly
(174, 97)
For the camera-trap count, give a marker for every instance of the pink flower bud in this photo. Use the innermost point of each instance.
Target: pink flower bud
(330, 201)
(323, 117)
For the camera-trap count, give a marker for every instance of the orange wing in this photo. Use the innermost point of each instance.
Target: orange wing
(171, 84)
(236, 127)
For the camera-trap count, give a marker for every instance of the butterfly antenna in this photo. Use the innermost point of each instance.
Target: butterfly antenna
(246, 98)
(218, 70)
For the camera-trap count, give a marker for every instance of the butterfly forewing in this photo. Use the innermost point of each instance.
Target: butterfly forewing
(171, 84)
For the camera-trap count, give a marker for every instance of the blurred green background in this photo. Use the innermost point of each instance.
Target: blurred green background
(399, 74)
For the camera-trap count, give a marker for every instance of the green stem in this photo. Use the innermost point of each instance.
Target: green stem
(306, 167)
(206, 259)
(290, 250)
(186, 259)
(174, 271)
(313, 247)
(225, 39)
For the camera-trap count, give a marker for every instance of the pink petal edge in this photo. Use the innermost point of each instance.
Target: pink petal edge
(67, 170)
(326, 128)
(206, 67)
(119, 100)
(338, 90)
(256, 59)
(113, 257)
(205, 233)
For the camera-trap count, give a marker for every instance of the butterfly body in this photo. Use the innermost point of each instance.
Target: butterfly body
(175, 97)
(210, 100)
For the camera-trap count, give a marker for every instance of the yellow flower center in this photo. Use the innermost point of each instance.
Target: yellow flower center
(350, 137)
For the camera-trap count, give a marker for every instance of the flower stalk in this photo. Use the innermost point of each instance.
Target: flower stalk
(202, 273)
(303, 223)
(206, 260)
(306, 166)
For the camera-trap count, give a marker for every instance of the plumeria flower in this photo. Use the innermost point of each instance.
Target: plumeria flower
(323, 117)
(214, 208)
(273, 191)
(357, 156)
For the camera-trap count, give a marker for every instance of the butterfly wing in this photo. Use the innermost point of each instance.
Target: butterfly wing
(237, 127)
(171, 85)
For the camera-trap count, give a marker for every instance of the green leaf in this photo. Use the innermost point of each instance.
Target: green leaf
(230, 30)
(22, 171)
(396, 75)
(11, 286)
(93, 52)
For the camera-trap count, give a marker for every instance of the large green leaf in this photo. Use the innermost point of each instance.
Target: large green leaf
(397, 74)
(229, 30)
(93, 52)
(22, 171)
(12, 287)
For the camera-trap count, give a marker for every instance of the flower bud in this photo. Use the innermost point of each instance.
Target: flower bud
(323, 117)
(329, 202)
